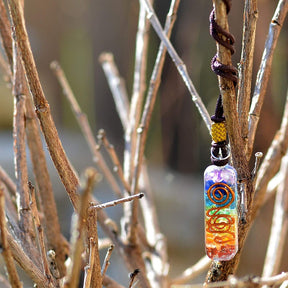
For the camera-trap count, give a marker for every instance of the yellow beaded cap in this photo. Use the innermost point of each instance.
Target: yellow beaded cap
(218, 132)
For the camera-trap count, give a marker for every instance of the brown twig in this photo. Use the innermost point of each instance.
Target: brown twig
(274, 154)
(5, 178)
(246, 65)
(106, 262)
(265, 70)
(117, 87)
(102, 139)
(133, 277)
(6, 33)
(7, 254)
(85, 127)
(178, 62)
(119, 201)
(77, 244)
(40, 233)
(93, 275)
(279, 225)
(193, 271)
(242, 283)
(66, 172)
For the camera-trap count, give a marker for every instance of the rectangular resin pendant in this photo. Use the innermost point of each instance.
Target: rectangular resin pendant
(221, 220)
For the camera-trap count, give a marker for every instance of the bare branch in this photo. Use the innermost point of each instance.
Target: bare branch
(119, 201)
(66, 172)
(7, 254)
(110, 283)
(246, 65)
(77, 244)
(106, 262)
(40, 234)
(5, 178)
(85, 127)
(193, 271)
(279, 225)
(274, 154)
(178, 62)
(117, 87)
(265, 70)
(116, 162)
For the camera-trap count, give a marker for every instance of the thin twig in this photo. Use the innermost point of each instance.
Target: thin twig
(39, 229)
(193, 271)
(242, 283)
(142, 130)
(77, 244)
(7, 254)
(133, 277)
(85, 127)
(178, 62)
(119, 201)
(5, 32)
(106, 262)
(66, 172)
(5, 178)
(102, 139)
(117, 87)
(265, 70)
(274, 154)
(279, 225)
(246, 65)
(94, 270)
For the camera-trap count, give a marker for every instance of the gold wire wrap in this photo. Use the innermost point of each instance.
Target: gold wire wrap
(218, 132)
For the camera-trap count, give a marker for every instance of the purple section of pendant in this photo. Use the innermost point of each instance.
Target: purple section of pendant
(226, 174)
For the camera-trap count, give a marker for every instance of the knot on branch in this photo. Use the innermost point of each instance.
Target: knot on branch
(227, 40)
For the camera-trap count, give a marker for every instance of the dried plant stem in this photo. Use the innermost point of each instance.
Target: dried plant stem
(106, 262)
(6, 252)
(139, 87)
(94, 277)
(265, 70)
(142, 131)
(6, 33)
(5, 178)
(23, 201)
(193, 271)
(279, 225)
(27, 264)
(246, 65)
(117, 87)
(242, 283)
(111, 151)
(39, 229)
(178, 62)
(55, 240)
(85, 127)
(77, 244)
(274, 154)
(119, 201)
(66, 172)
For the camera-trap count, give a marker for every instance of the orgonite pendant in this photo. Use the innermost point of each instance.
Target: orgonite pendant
(221, 221)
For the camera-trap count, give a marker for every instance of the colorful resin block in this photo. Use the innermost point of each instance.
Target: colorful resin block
(221, 221)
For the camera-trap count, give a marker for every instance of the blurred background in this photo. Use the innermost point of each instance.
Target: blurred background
(75, 33)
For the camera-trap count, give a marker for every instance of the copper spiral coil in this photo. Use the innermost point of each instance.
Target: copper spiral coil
(222, 195)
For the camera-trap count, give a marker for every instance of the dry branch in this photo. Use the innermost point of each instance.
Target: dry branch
(66, 172)
(265, 70)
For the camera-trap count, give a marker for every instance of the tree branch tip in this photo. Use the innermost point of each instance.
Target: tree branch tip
(55, 66)
(105, 57)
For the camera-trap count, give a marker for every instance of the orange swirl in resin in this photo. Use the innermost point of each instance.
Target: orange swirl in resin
(220, 223)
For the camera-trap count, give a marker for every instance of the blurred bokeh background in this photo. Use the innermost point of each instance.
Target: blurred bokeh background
(75, 33)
